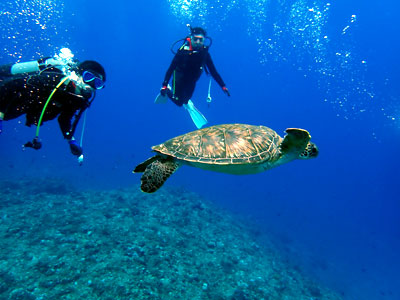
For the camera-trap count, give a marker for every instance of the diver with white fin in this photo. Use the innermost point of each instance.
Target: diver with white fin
(186, 68)
(197, 117)
(47, 88)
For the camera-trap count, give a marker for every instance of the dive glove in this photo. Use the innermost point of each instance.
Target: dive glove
(75, 148)
(164, 90)
(226, 91)
(35, 144)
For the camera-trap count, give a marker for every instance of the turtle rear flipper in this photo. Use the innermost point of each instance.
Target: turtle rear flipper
(157, 173)
(295, 141)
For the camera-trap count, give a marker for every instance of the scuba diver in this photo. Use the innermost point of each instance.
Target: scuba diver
(47, 88)
(186, 67)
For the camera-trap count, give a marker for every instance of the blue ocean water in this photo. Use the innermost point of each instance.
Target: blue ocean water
(328, 67)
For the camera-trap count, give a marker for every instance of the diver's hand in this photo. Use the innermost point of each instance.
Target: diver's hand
(226, 91)
(80, 160)
(75, 148)
(164, 90)
(35, 144)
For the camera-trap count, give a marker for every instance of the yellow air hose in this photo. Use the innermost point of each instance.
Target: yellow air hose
(47, 102)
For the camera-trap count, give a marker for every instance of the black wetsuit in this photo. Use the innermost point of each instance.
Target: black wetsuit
(27, 94)
(188, 66)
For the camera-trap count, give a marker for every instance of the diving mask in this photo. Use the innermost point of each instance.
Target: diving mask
(92, 80)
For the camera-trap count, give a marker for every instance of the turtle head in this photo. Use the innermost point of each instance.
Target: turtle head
(310, 151)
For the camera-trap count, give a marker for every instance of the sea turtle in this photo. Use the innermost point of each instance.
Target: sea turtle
(228, 148)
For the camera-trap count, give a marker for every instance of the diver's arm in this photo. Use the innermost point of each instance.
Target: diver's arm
(64, 120)
(82, 100)
(213, 71)
(67, 130)
(12, 94)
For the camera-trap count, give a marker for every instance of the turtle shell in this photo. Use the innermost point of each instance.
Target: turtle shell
(225, 144)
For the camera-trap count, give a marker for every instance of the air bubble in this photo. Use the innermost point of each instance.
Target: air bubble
(27, 27)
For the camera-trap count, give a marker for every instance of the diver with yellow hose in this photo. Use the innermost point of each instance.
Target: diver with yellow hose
(186, 68)
(47, 88)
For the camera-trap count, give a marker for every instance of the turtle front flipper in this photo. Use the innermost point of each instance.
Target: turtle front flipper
(156, 173)
(295, 141)
(140, 168)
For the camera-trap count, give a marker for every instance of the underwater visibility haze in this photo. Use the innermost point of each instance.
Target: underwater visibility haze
(330, 224)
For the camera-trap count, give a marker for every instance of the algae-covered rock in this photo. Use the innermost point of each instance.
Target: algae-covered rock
(122, 244)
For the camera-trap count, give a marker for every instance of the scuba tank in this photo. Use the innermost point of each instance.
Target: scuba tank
(62, 61)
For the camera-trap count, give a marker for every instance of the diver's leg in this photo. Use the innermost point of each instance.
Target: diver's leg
(189, 90)
(13, 101)
(184, 91)
(178, 96)
(5, 71)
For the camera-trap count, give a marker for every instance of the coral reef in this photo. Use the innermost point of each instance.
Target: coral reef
(58, 243)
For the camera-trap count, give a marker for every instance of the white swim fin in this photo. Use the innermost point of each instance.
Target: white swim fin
(198, 119)
(160, 99)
